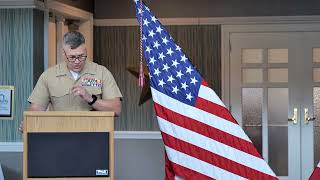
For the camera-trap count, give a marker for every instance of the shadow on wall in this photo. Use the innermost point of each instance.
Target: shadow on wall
(1, 173)
(10, 174)
(11, 163)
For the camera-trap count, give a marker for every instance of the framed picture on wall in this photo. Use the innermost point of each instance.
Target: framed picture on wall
(6, 102)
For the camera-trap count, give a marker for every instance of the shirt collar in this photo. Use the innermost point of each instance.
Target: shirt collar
(88, 68)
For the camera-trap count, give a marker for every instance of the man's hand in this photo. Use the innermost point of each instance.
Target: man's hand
(82, 92)
(101, 104)
(33, 107)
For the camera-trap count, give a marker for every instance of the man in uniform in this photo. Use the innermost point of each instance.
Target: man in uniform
(76, 84)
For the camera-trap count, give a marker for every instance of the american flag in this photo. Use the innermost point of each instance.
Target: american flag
(316, 173)
(202, 140)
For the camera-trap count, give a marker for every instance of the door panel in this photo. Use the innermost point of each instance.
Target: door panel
(252, 115)
(316, 102)
(278, 130)
(262, 86)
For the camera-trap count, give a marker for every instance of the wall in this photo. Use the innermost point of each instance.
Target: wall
(122, 9)
(21, 57)
(11, 163)
(141, 159)
(21, 63)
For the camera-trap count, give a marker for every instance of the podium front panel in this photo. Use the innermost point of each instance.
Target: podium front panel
(76, 154)
(55, 122)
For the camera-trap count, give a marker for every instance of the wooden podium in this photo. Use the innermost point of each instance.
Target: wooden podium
(68, 122)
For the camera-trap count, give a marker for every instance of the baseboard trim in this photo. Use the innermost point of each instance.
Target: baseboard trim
(11, 147)
(137, 135)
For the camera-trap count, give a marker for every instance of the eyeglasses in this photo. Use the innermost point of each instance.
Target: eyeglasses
(74, 58)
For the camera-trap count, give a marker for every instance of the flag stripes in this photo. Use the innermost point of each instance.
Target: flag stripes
(215, 109)
(213, 146)
(198, 115)
(198, 165)
(206, 130)
(316, 173)
(209, 101)
(186, 172)
(207, 93)
(213, 159)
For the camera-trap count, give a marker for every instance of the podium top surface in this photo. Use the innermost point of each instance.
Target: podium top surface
(69, 113)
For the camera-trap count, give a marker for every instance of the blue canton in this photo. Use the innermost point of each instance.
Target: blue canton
(171, 72)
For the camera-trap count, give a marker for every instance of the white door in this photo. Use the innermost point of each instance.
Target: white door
(310, 127)
(274, 80)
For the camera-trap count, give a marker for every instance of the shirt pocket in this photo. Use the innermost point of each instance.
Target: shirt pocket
(60, 98)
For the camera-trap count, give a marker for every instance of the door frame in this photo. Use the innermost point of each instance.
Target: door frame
(227, 31)
(63, 11)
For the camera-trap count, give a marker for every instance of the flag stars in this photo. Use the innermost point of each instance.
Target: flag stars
(148, 49)
(175, 90)
(161, 83)
(169, 51)
(170, 79)
(156, 44)
(146, 22)
(194, 81)
(159, 29)
(170, 70)
(144, 38)
(165, 67)
(156, 72)
(178, 48)
(183, 58)
(140, 11)
(175, 63)
(153, 19)
(165, 40)
(189, 96)
(161, 56)
(189, 70)
(184, 86)
(179, 74)
(152, 60)
(151, 33)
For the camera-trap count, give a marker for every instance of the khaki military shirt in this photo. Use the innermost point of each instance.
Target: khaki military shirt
(54, 86)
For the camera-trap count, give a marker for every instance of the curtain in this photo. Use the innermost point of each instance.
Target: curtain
(16, 65)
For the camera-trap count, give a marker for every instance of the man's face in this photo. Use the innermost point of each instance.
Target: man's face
(75, 58)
